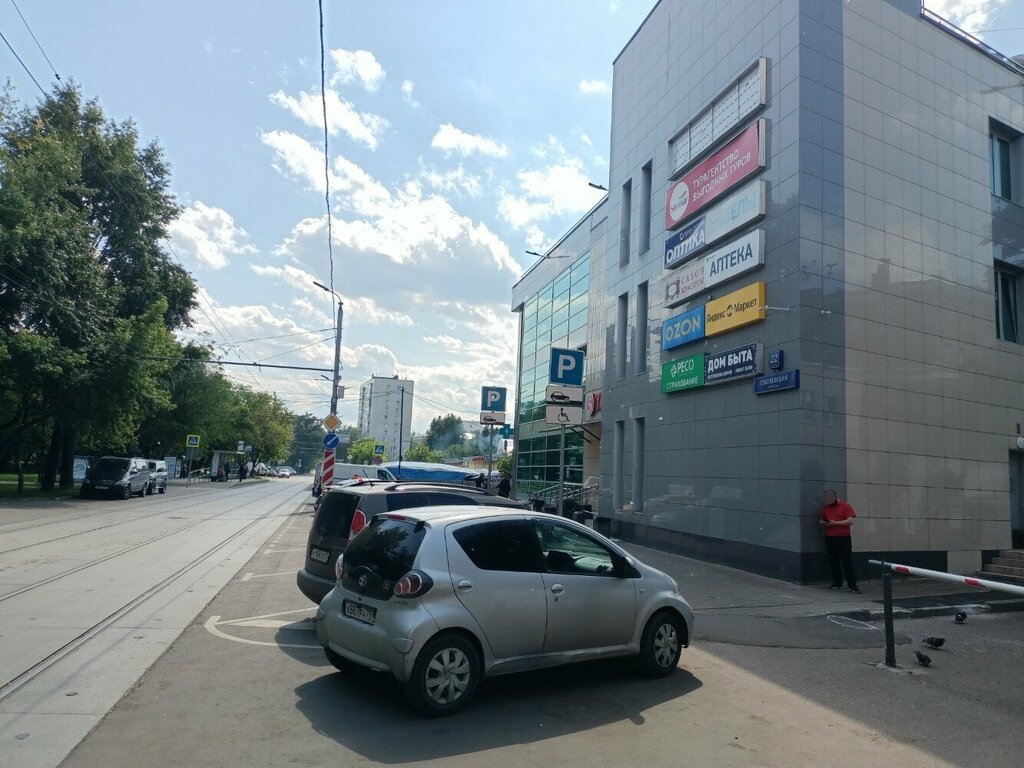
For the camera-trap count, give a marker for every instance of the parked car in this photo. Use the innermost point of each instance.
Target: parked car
(344, 511)
(443, 597)
(350, 471)
(117, 476)
(157, 477)
(285, 471)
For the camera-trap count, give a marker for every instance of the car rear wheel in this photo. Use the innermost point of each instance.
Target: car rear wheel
(338, 661)
(661, 644)
(445, 677)
(163, 488)
(126, 491)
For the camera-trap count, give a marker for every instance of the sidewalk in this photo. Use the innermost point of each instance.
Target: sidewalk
(724, 591)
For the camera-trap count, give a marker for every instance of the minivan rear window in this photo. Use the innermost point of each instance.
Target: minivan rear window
(384, 552)
(334, 518)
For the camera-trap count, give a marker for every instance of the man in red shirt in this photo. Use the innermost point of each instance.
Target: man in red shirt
(837, 518)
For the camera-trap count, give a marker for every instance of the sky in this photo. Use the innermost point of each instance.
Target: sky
(458, 140)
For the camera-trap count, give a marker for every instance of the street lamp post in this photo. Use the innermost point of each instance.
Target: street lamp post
(337, 347)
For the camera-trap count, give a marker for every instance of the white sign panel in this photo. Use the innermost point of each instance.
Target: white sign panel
(735, 211)
(567, 415)
(731, 260)
(492, 417)
(558, 394)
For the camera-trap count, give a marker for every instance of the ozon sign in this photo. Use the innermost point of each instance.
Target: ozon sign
(724, 169)
(682, 329)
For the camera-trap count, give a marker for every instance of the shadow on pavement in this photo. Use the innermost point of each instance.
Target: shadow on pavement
(352, 708)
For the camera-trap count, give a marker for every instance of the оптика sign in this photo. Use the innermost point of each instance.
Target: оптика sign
(718, 266)
(735, 211)
(716, 174)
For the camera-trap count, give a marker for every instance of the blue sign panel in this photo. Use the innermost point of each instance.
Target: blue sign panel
(732, 364)
(566, 367)
(331, 441)
(777, 360)
(493, 398)
(776, 382)
(682, 329)
(684, 243)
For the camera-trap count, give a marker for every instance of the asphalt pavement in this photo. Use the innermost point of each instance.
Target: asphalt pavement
(777, 676)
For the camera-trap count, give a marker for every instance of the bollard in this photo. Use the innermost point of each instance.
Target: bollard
(890, 639)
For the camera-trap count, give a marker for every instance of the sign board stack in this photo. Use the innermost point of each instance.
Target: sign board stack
(564, 401)
(331, 422)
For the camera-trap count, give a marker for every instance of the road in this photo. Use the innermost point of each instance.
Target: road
(92, 592)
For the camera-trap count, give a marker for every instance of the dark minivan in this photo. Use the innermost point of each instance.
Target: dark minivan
(117, 476)
(343, 512)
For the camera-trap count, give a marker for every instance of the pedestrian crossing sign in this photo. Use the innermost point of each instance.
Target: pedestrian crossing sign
(191, 441)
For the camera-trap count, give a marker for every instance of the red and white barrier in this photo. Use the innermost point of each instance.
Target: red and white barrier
(327, 473)
(970, 581)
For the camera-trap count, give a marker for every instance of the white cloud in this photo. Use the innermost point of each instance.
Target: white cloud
(594, 86)
(586, 140)
(362, 127)
(293, 276)
(450, 139)
(457, 180)
(294, 156)
(357, 66)
(208, 235)
(558, 189)
(536, 239)
(970, 15)
(407, 88)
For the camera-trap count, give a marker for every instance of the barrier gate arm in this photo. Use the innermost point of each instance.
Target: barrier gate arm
(910, 570)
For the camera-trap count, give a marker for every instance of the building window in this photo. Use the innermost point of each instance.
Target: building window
(638, 465)
(1008, 286)
(645, 207)
(626, 209)
(640, 355)
(1006, 161)
(618, 448)
(1001, 167)
(620, 336)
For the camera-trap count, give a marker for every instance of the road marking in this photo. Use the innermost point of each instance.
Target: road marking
(211, 627)
(846, 621)
(269, 624)
(252, 575)
(291, 549)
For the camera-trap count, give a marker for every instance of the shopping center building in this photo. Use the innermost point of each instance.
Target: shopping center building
(808, 273)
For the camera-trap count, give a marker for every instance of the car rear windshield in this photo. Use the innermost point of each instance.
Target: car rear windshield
(334, 517)
(383, 552)
(111, 465)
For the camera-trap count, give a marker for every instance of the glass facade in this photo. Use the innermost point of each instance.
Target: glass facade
(556, 316)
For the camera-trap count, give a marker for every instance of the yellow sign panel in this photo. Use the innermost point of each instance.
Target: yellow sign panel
(734, 310)
(332, 422)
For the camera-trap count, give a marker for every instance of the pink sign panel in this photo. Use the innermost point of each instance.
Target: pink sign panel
(726, 168)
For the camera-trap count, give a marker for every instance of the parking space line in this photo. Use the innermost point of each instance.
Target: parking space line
(211, 627)
(252, 575)
(288, 549)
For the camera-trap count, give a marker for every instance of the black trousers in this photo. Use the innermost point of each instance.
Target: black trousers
(840, 553)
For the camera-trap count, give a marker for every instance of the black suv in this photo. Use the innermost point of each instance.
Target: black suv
(116, 476)
(343, 512)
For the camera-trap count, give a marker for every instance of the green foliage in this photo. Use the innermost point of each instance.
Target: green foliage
(423, 453)
(361, 452)
(444, 431)
(504, 465)
(307, 442)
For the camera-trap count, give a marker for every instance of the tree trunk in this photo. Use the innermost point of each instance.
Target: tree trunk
(49, 476)
(67, 458)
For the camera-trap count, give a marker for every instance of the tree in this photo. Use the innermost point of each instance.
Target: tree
(307, 441)
(262, 421)
(361, 452)
(504, 466)
(444, 431)
(423, 453)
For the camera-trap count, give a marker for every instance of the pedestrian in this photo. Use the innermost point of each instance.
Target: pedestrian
(837, 519)
(504, 487)
(241, 472)
(480, 480)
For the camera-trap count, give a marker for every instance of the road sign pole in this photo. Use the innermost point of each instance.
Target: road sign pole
(561, 476)
(490, 454)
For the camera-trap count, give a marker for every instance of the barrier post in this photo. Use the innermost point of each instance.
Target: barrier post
(890, 635)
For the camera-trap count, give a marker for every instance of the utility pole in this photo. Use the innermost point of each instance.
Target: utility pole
(336, 382)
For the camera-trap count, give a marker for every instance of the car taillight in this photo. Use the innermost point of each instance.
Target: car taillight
(358, 523)
(413, 584)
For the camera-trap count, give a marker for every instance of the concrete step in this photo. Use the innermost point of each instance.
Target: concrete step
(993, 575)
(1014, 554)
(1006, 570)
(1011, 562)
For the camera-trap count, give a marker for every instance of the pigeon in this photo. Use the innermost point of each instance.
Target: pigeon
(935, 642)
(923, 658)
(960, 617)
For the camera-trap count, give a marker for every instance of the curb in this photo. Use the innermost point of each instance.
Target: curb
(878, 614)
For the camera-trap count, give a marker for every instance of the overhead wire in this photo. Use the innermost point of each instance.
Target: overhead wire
(38, 44)
(327, 157)
(23, 65)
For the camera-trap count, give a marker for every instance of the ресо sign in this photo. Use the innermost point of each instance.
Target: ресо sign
(685, 373)
(724, 169)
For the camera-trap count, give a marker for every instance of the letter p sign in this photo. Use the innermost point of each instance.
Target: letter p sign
(493, 399)
(567, 367)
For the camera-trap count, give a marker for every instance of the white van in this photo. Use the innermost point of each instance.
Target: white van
(349, 471)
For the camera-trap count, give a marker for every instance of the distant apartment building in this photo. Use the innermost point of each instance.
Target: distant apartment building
(385, 412)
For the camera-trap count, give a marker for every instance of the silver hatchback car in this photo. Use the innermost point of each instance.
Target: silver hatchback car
(442, 597)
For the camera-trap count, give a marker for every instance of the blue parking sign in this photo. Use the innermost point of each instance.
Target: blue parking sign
(566, 367)
(493, 399)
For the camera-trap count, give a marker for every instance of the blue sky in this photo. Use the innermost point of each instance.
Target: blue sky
(459, 139)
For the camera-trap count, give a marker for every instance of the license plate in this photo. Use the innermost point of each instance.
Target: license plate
(359, 612)
(101, 487)
(320, 555)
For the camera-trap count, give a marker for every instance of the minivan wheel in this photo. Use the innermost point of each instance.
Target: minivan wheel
(163, 488)
(126, 491)
(661, 644)
(445, 676)
(150, 489)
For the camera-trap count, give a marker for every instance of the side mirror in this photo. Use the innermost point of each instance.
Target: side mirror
(622, 567)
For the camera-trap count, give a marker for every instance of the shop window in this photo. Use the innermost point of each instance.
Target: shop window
(1009, 283)
(1005, 161)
